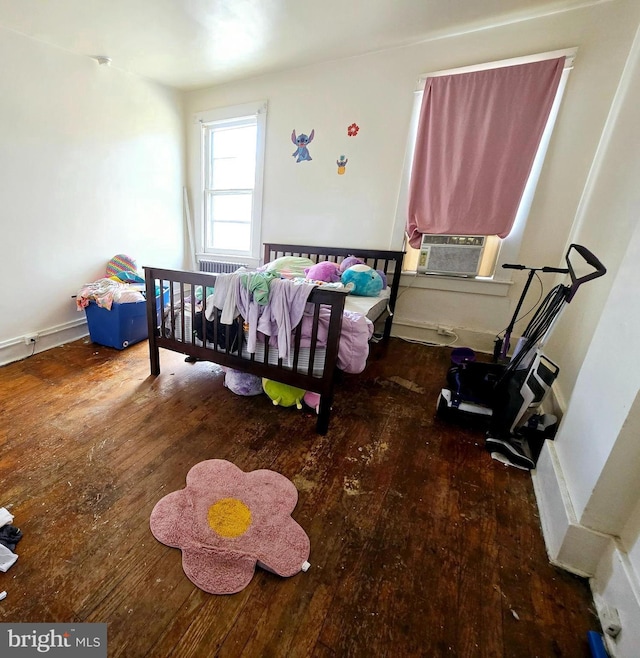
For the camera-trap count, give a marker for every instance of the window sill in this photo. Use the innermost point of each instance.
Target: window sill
(478, 286)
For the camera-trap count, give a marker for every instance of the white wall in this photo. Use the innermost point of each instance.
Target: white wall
(92, 165)
(596, 442)
(607, 215)
(587, 486)
(308, 202)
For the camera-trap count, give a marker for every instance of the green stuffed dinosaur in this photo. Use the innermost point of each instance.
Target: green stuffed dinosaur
(282, 394)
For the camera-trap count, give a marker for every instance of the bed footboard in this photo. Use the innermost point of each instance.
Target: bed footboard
(179, 323)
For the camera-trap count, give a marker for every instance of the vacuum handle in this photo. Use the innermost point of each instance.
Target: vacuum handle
(589, 257)
(510, 266)
(559, 270)
(576, 282)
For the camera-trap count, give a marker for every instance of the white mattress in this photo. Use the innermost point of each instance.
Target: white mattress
(304, 354)
(371, 307)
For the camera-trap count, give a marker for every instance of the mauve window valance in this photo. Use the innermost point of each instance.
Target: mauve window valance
(477, 138)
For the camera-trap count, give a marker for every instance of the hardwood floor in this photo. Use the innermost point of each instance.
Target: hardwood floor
(421, 544)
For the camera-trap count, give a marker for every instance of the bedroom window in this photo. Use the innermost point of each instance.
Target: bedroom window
(496, 250)
(232, 147)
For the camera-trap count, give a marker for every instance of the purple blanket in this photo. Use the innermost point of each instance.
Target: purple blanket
(353, 348)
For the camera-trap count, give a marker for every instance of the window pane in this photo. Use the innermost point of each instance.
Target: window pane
(229, 221)
(230, 208)
(233, 158)
(235, 237)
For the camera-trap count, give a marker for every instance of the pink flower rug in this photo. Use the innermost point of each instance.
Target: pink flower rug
(226, 521)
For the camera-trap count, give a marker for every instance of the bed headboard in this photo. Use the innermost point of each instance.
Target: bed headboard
(390, 262)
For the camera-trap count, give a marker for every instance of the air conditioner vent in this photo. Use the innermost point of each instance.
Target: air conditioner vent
(453, 255)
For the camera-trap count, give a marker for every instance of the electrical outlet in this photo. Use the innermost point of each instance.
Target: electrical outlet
(445, 331)
(29, 339)
(610, 620)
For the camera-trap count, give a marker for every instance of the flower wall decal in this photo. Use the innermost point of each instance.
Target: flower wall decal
(353, 129)
(226, 521)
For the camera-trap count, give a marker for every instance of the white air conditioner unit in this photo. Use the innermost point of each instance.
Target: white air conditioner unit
(455, 255)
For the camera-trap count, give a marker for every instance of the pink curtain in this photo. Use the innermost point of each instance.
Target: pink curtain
(478, 135)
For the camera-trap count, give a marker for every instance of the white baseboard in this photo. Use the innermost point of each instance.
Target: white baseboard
(569, 544)
(427, 333)
(588, 553)
(15, 349)
(615, 587)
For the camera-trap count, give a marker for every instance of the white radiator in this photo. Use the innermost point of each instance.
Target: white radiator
(219, 267)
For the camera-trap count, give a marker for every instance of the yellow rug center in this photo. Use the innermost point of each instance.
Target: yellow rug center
(229, 517)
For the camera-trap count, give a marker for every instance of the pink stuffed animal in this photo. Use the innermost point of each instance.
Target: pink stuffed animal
(323, 271)
(312, 400)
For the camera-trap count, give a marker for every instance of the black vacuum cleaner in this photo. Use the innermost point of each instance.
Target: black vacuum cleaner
(502, 397)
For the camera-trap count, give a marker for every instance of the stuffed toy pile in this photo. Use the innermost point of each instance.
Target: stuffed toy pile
(356, 276)
(283, 395)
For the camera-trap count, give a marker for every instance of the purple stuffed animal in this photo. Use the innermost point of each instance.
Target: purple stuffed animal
(349, 261)
(242, 383)
(323, 271)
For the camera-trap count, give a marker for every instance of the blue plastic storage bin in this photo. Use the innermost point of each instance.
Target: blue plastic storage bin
(123, 325)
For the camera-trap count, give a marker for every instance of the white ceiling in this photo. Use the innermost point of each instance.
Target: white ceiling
(199, 43)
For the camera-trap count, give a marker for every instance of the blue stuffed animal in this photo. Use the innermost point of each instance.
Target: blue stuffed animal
(349, 261)
(362, 280)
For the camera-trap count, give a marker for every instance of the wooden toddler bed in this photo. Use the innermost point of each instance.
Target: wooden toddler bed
(189, 324)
